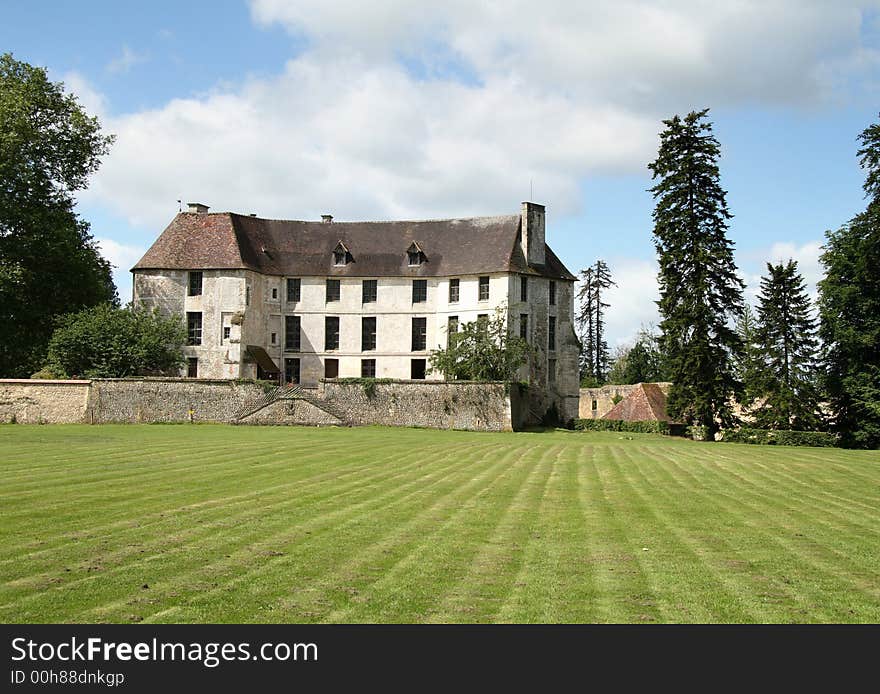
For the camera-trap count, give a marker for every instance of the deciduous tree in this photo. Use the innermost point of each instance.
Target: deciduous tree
(109, 342)
(482, 350)
(49, 264)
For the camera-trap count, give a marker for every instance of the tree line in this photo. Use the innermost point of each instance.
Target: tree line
(789, 368)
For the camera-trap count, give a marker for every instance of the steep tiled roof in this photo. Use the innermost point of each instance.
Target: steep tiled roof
(276, 247)
(646, 403)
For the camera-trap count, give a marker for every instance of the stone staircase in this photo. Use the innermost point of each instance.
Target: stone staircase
(290, 392)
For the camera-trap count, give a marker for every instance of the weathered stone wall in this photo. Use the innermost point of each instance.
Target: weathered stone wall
(43, 402)
(604, 398)
(167, 400)
(434, 404)
(295, 412)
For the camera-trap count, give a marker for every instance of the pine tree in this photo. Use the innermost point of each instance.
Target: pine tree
(591, 322)
(849, 310)
(601, 281)
(749, 362)
(786, 337)
(584, 321)
(699, 288)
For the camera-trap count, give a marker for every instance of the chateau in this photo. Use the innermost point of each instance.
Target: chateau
(303, 301)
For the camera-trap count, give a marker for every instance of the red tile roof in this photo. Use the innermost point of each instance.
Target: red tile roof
(646, 403)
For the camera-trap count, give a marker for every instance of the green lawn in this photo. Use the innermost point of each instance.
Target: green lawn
(273, 524)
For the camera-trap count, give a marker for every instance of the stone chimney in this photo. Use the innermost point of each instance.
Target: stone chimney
(533, 233)
(197, 208)
(326, 218)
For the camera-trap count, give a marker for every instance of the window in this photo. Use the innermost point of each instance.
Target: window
(453, 290)
(341, 256)
(417, 370)
(247, 295)
(483, 321)
(484, 289)
(227, 332)
(523, 288)
(274, 338)
(291, 370)
(292, 335)
(368, 368)
(552, 293)
(194, 328)
(195, 283)
(331, 368)
(524, 326)
(551, 333)
(192, 367)
(370, 291)
(274, 292)
(368, 334)
(332, 290)
(451, 329)
(419, 334)
(594, 405)
(293, 289)
(331, 332)
(420, 291)
(551, 371)
(414, 255)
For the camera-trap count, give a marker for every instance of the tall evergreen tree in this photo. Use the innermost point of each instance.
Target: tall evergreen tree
(595, 280)
(849, 311)
(786, 337)
(699, 288)
(49, 263)
(749, 361)
(584, 321)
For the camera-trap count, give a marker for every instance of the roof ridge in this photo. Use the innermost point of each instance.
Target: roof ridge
(363, 221)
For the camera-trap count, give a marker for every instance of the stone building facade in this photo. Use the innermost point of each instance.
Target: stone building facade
(302, 301)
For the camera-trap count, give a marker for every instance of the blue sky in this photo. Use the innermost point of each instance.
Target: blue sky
(417, 110)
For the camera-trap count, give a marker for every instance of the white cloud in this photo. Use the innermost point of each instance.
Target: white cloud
(125, 61)
(502, 93)
(90, 98)
(636, 52)
(363, 140)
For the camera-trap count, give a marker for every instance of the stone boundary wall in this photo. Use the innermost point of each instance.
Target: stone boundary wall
(27, 401)
(433, 404)
(146, 400)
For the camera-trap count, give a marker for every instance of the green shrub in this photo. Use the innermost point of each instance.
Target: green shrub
(780, 437)
(652, 427)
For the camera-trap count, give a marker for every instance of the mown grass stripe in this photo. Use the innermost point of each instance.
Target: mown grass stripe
(275, 525)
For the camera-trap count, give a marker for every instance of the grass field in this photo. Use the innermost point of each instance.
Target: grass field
(272, 524)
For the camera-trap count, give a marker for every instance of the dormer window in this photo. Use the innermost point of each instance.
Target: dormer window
(415, 256)
(341, 255)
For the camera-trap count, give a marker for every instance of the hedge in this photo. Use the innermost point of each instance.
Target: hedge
(780, 437)
(652, 427)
